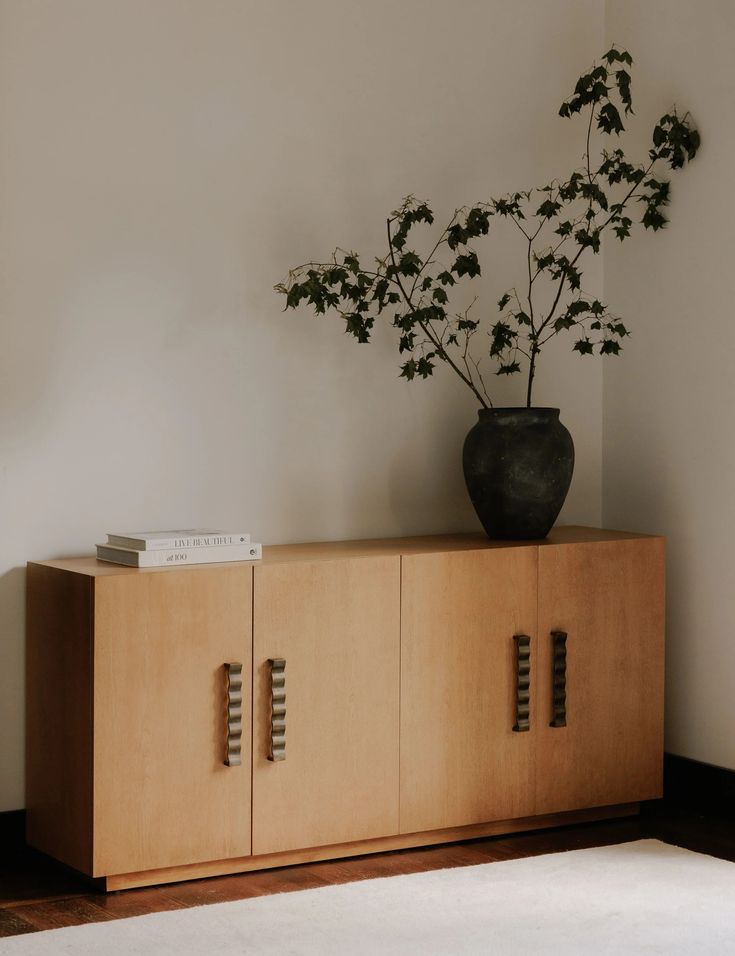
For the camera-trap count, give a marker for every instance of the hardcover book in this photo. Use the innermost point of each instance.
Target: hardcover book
(159, 557)
(188, 538)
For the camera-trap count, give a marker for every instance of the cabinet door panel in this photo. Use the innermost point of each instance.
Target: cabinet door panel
(162, 793)
(336, 624)
(461, 761)
(609, 599)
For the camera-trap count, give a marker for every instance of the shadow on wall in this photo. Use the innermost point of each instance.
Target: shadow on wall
(12, 612)
(12, 668)
(425, 484)
(645, 493)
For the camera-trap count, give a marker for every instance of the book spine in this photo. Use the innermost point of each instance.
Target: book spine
(178, 544)
(180, 556)
(117, 555)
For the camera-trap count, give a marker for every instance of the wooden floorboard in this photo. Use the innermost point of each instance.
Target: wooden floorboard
(11, 924)
(37, 894)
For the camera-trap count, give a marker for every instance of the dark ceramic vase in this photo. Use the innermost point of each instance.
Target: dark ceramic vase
(518, 465)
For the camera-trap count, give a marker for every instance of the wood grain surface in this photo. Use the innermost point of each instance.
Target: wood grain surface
(162, 793)
(461, 761)
(371, 547)
(361, 847)
(609, 599)
(58, 714)
(337, 625)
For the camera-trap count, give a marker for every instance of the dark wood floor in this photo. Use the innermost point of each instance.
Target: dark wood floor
(37, 894)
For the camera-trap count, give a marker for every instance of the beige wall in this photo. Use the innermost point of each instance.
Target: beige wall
(669, 432)
(162, 163)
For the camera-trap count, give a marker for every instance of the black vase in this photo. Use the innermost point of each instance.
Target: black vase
(518, 465)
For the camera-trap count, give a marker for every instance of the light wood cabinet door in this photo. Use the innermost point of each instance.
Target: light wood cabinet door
(336, 625)
(461, 761)
(162, 795)
(608, 598)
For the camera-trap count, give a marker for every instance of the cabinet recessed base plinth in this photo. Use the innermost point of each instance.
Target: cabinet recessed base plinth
(195, 871)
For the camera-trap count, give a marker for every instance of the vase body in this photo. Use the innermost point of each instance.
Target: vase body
(518, 465)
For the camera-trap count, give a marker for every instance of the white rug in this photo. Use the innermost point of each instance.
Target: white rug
(642, 897)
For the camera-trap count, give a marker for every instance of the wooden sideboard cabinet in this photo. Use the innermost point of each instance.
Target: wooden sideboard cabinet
(339, 698)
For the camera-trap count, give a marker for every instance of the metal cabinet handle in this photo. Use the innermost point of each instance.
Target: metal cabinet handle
(523, 683)
(233, 756)
(559, 678)
(277, 743)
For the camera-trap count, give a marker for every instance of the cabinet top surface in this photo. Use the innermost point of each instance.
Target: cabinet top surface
(335, 550)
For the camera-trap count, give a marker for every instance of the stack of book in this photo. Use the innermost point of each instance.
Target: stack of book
(158, 549)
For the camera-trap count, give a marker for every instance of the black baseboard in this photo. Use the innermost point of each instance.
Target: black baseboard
(700, 787)
(12, 828)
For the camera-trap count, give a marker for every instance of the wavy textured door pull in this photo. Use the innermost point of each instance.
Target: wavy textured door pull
(559, 678)
(277, 742)
(233, 757)
(523, 683)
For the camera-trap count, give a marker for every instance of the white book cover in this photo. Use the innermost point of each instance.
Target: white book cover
(173, 540)
(160, 558)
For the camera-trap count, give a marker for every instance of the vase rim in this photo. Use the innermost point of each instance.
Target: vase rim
(515, 409)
